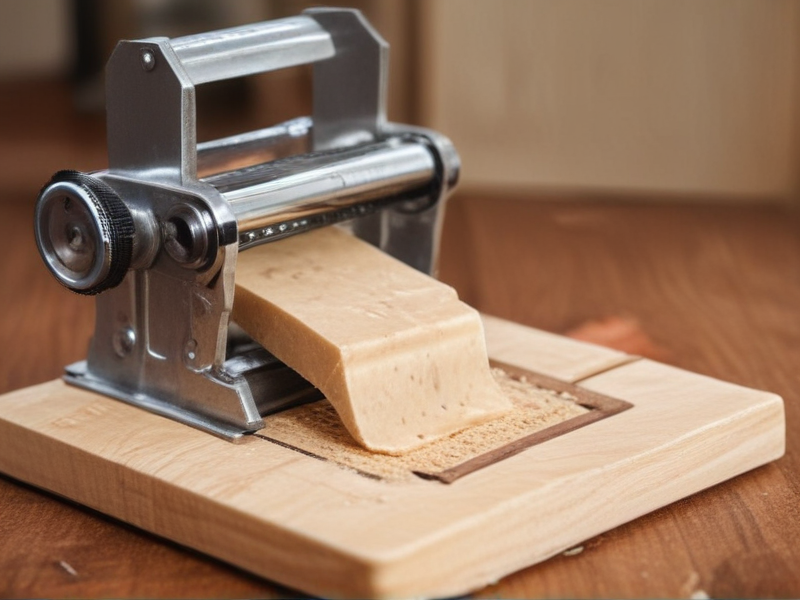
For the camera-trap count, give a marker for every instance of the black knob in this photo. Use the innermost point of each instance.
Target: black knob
(84, 232)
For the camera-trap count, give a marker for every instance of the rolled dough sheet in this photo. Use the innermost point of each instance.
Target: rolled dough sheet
(398, 355)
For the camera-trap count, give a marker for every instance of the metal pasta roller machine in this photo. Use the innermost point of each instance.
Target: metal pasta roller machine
(155, 236)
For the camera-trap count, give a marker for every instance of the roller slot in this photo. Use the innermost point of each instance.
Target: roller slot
(260, 146)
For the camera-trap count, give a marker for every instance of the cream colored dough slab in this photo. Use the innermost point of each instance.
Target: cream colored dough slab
(400, 357)
(328, 531)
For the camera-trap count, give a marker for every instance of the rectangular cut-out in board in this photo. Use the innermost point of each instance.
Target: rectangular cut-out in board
(543, 408)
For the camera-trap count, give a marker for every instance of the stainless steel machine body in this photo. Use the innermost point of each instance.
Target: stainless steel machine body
(157, 243)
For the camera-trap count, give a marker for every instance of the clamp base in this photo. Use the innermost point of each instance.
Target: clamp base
(272, 385)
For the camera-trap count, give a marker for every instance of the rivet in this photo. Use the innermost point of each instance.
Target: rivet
(190, 351)
(148, 60)
(123, 341)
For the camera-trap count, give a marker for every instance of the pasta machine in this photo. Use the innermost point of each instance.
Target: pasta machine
(155, 236)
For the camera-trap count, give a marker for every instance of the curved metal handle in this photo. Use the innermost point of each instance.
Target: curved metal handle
(150, 86)
(251, 49)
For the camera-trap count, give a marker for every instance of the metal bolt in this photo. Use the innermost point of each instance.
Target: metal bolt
(186, 237)
(75, 239)
(124, 341)
(190, 351)
(148, 60)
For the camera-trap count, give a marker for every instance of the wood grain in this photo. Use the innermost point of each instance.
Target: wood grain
(716, 287)
(332, 532)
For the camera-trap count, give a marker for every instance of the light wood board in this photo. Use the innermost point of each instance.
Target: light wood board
(328, 531)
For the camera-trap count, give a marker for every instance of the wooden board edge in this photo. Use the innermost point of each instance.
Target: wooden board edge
(722, 453)
(565, 358)
(752, 435)
(224, 536)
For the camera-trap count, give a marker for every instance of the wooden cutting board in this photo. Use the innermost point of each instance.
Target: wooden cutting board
(331, 530)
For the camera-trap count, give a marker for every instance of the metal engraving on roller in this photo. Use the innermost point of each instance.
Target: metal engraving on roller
(155, 236)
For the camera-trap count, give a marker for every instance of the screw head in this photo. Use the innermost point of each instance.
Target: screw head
(148, 59)
(190, 352)
(124, 341)
(186, 236)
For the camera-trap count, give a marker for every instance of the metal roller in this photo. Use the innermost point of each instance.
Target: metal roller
(86, 233)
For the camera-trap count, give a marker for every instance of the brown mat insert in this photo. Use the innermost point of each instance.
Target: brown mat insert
(543, 409)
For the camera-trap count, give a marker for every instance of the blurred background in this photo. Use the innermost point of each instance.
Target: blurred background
(644, 99)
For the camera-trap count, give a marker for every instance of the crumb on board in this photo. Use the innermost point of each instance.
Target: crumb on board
(573, 551)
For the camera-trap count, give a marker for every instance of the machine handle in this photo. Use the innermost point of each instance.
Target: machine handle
(150, 100)
(251, 49)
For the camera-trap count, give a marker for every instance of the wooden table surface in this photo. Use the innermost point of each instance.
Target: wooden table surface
(713, 288)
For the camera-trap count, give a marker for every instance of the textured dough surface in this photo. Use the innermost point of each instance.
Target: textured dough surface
(398, 355)
(315, 428)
